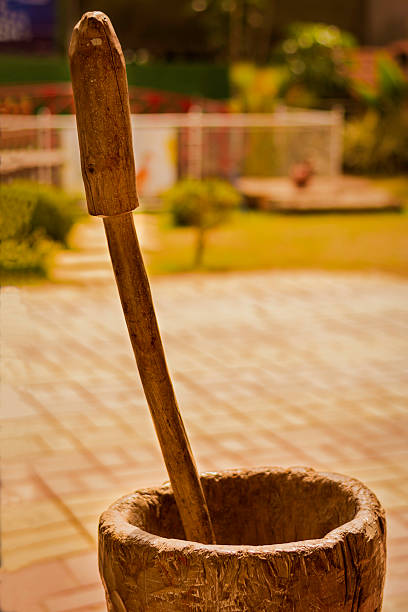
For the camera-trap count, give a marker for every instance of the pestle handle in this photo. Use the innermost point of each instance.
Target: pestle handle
(105, 139)
(103, 116)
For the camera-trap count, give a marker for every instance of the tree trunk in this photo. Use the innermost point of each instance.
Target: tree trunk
(236, 31)
(199, 249)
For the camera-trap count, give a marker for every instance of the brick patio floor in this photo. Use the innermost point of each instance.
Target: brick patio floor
(269, 369)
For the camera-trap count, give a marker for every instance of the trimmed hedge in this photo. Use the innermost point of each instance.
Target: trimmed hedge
(197, 79)
(33, 220)
(55, 212)
(25, 256)
(17, 203)
(16, 69)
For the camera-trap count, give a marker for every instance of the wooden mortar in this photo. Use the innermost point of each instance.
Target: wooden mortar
(287, 539)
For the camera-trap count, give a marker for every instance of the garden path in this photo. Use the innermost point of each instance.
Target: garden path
(270, 368)
(88, 261)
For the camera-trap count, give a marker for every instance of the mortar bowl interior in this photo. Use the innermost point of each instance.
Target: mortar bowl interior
(259, 507)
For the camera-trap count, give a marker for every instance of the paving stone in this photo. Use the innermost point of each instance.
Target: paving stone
(27, 588)
(270, 368)
(22, 538)
(83, 597)
(32, 515)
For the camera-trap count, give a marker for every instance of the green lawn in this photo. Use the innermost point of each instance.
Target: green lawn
(397, 185)
(254, 240)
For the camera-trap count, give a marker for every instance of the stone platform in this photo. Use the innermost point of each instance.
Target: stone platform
(322, 194)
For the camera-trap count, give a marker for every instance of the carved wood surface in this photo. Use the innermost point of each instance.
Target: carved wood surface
(103, 121)
(102, 108)
(287, 540)
(144, 334)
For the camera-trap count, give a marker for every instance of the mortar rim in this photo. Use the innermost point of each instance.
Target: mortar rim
(114, 521)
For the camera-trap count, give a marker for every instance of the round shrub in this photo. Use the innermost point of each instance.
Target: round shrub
(201, 203)
(17, 204)
(33, 218)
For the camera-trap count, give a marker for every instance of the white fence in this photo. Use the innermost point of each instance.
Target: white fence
(170, 146)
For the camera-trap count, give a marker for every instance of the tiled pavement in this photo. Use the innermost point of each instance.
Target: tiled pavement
(269, 368)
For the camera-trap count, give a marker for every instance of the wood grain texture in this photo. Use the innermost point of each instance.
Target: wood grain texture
(287, 540)
(103, 116)
(144, 334)
(105, 140)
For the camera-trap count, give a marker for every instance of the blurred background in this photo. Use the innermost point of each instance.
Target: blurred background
(264, 97)
(271, 150)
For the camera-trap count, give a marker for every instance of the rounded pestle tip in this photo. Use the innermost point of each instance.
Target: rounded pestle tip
(93, 27)
(101, 96)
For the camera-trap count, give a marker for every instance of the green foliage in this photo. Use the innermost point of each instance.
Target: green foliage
(202, 204)
(261, 240)
(55, 212)
(33, 69)
(390, 90)
(310, 67)
(316, 55)
(17, 204)
(26, 256)
(255, 89)
(33, 218)
(393, 85)
(199, 79)
(377, 142)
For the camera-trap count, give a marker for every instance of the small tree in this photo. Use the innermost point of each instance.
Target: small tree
(377, 141)
(316, 56)
(201, 204)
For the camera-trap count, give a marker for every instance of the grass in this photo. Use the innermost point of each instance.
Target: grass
(376, 242)
(397, 185)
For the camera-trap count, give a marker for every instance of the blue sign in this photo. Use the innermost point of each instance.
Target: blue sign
(25, 20)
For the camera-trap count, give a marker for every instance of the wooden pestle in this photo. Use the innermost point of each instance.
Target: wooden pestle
(105, 139)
